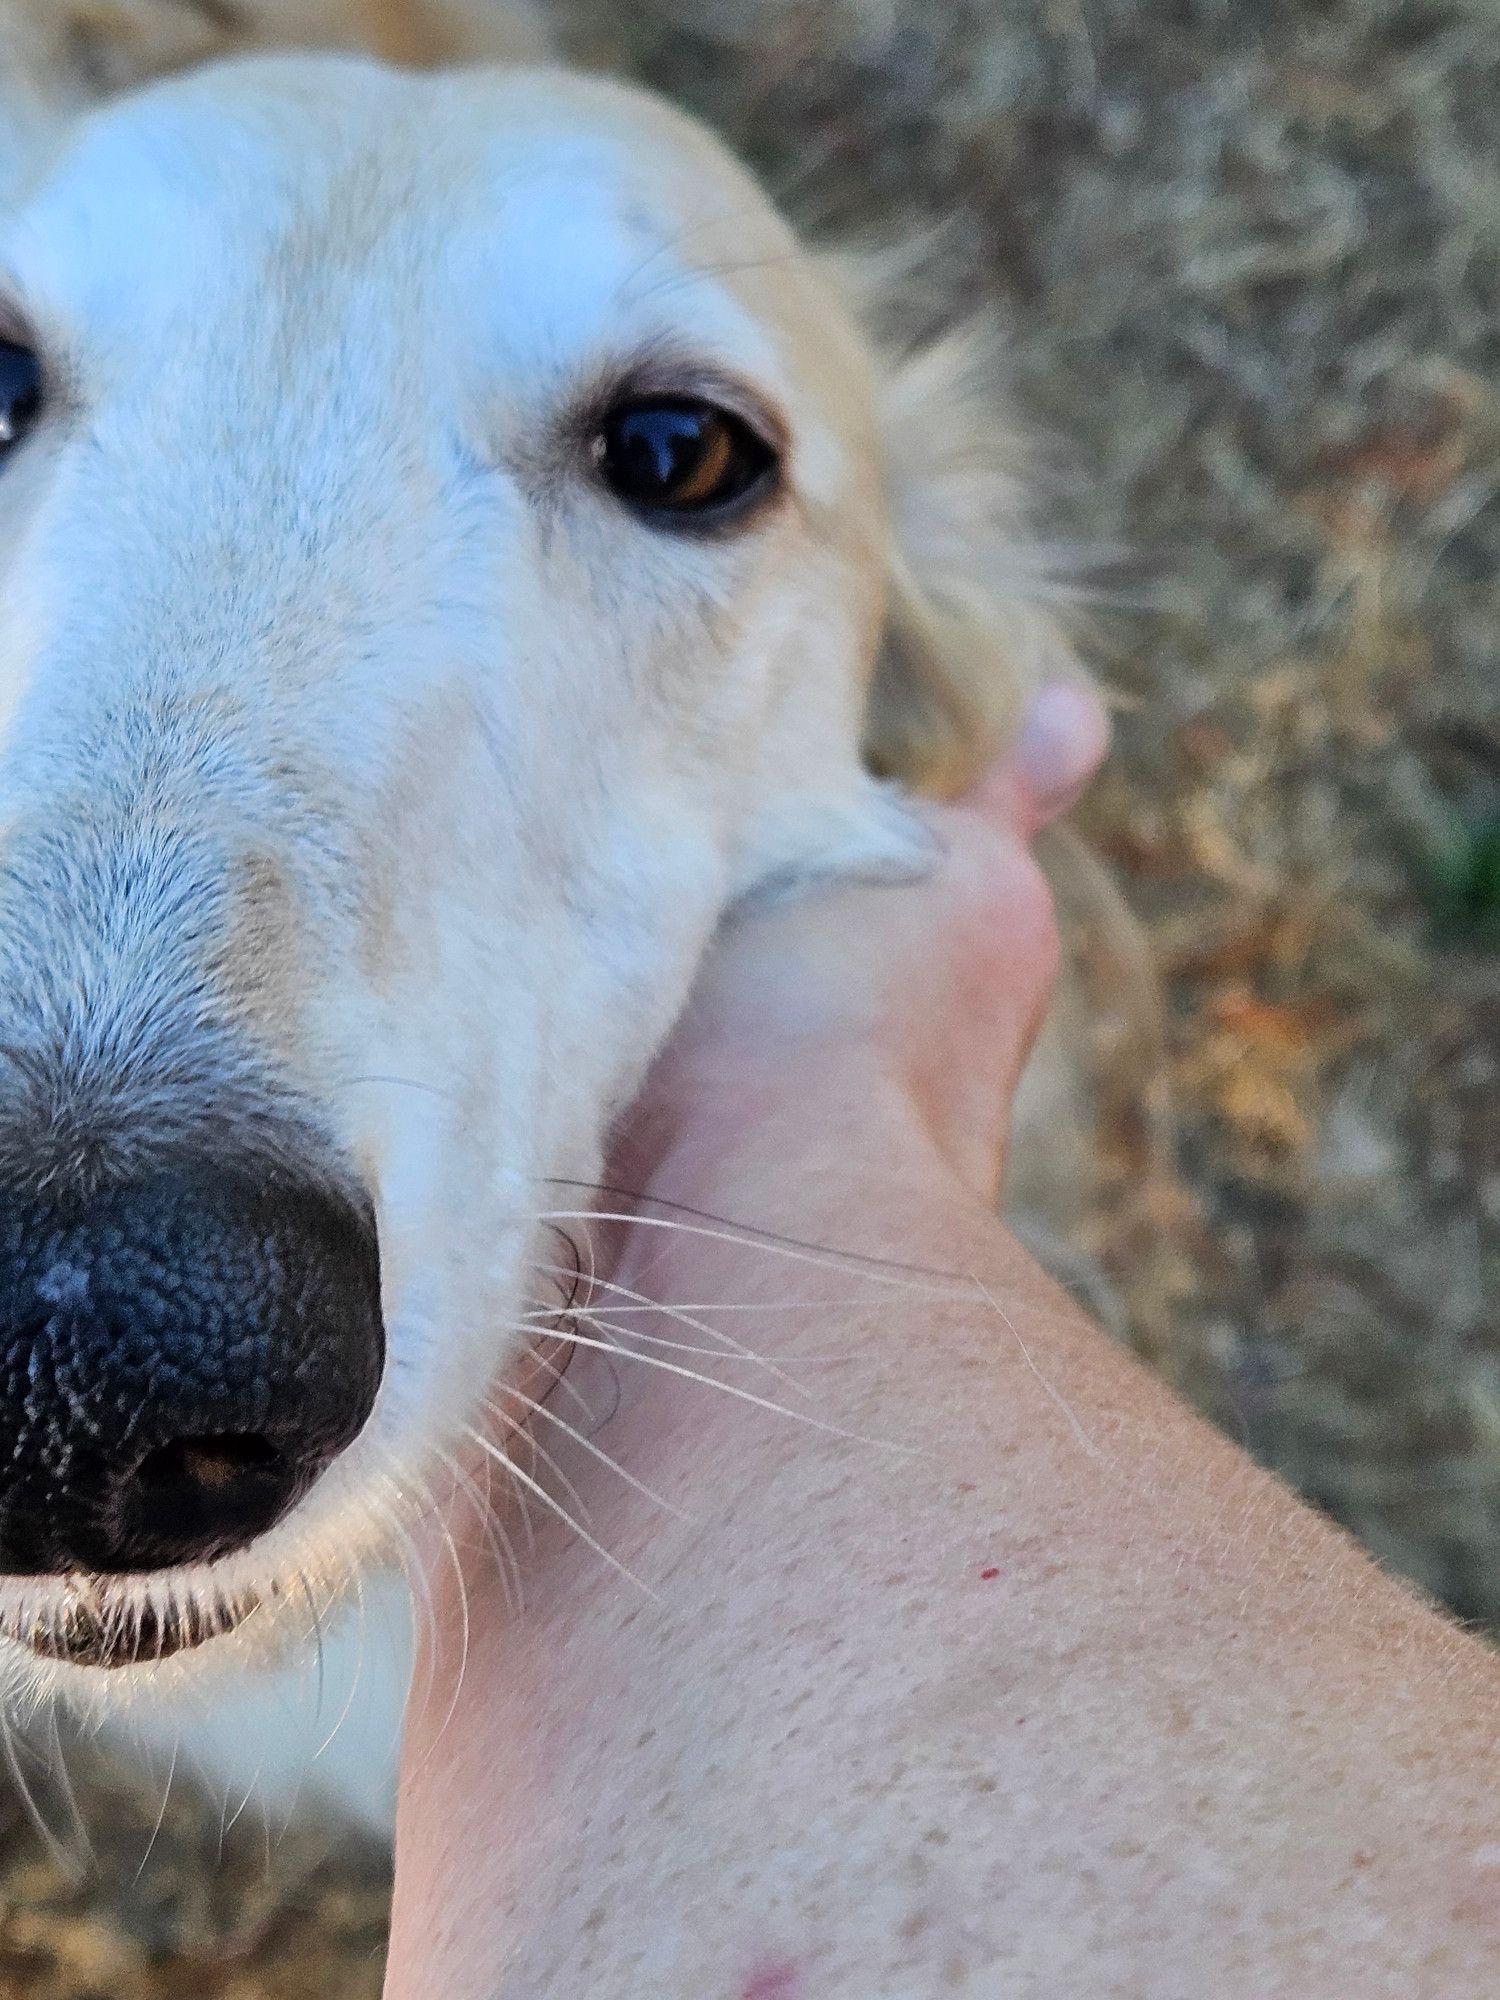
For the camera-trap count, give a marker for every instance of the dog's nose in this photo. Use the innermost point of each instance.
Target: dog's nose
(179, 1360)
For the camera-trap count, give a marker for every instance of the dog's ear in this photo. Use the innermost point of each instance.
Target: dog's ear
(973, 621)
(422, 34)
(57, 57)
(81, 50)
(974, 604)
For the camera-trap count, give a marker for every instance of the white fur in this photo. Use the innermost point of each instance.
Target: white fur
(304, 571)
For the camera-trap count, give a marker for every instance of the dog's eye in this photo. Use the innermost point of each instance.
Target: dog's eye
(679, 458)
(20, 391)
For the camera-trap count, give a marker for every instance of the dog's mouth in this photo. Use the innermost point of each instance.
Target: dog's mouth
(94, 1629)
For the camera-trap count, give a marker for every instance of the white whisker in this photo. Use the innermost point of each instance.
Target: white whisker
(556, 1508)
(594, 1451)
(649, 1306)
(734, 1389)
(640, 1302)
(506, 1565)
(465, 1631)
(166, 1794)
(1055, 1396)
(33, 1811)
(518, 1430)
(936, 1284)
(225, 1829)
(317, 1626)
(414, 1575)
(725, 1354)
(59, 1763)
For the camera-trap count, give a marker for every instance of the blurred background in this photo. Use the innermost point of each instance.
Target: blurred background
(1249, 258)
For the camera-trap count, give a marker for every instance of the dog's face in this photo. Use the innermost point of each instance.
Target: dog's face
(443, 552)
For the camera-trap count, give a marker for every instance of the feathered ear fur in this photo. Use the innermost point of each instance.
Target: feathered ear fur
(57, 57)
(423, 33)
(973, 623)
(78, 50)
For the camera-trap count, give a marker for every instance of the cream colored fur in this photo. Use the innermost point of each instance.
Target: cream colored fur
(307, 599)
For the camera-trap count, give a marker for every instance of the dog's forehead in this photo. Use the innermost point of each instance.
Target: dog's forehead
(520, 210)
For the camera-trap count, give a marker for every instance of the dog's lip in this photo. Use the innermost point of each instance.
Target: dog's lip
(88, 1631)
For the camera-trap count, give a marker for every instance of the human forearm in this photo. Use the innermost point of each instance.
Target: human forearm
(1064, 1688)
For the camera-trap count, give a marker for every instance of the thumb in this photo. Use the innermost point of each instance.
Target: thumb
(1061, 745)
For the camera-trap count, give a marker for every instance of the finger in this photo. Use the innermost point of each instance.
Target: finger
(1061, 745)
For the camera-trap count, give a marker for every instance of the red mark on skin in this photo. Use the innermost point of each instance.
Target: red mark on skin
(773, 1981)
(988, 1575)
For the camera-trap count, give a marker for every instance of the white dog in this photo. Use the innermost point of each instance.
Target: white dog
(454, 542)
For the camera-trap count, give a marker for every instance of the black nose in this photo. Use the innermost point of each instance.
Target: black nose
(179, 1359)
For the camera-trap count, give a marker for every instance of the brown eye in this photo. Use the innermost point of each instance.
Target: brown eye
(685, 461)
(20, 391)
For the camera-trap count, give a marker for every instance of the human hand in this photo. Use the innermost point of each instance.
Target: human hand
(936, 987)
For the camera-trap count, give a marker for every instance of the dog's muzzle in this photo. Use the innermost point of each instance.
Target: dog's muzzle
(180, 1358)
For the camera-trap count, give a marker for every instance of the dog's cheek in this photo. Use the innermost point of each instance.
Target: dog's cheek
(873, 835)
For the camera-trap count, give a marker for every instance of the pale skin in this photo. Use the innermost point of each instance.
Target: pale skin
(1064, 1698)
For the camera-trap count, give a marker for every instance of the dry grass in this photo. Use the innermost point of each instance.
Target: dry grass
(1249, 254)
(179, 1906)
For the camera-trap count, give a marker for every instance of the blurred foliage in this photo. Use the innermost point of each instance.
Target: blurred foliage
(1463, 880)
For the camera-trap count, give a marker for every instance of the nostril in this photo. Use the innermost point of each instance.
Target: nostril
(210, 1464)
(181, 1359)
(195, 1498)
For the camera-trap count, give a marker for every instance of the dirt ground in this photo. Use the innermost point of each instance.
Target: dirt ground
(1249, 255)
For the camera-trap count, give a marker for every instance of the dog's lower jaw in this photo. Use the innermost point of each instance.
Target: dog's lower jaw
(106, 1645)
(281, 1671)
(298, 1721)
(297, 1705)
(87, 1630)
